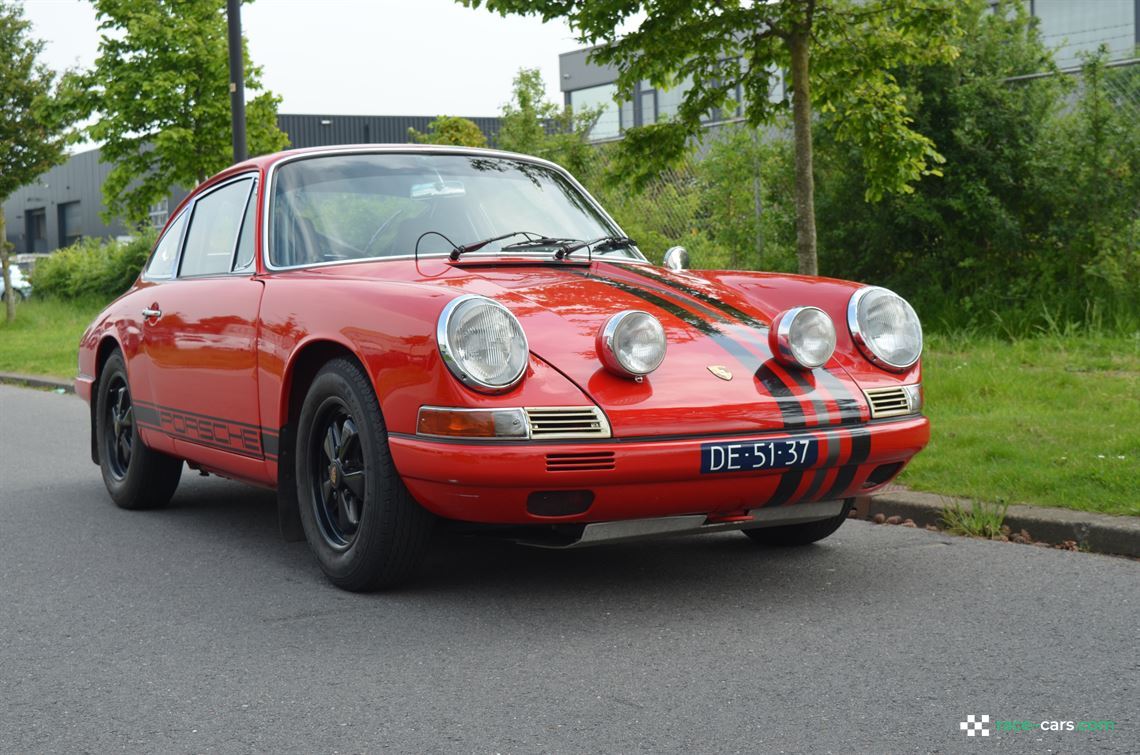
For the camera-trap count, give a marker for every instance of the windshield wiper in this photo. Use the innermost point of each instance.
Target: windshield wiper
(544, 241)
(476, 245)
(603, 243)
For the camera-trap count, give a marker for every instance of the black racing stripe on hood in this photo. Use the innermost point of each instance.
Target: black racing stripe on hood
(790, 407)
(712, 301)
(743, 355)
(850, 409)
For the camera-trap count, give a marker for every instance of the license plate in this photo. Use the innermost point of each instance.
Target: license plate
(758, 454)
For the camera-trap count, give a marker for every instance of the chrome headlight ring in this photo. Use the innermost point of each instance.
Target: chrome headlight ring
(609, 346)
(457, 362)
(865, 340)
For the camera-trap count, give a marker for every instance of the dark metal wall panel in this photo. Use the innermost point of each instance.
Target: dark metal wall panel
(331, 130)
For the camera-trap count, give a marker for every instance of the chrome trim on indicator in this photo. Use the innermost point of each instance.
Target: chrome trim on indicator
(451, 360)
(572, 416)
(780, 338)
(637, 529)
(861, 342)
(604, 344)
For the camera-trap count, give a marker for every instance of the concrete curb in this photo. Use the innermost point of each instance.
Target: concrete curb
(1099, 533)
(37, 381)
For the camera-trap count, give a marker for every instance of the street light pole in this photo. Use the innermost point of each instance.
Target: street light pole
(237, 78)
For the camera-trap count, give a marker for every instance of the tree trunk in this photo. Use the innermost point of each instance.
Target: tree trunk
(798, 44)
(9, 294)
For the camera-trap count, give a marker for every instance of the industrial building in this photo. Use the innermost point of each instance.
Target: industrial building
(66, 203)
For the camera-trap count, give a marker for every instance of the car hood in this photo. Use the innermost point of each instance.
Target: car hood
(715, 324)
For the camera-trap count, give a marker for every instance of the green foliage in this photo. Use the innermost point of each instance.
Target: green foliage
(33, 134)
(532, 125)
(450, 129)
(92, 268)
(160, 94)
(44, 339)
(980, 520)
(1035, 220)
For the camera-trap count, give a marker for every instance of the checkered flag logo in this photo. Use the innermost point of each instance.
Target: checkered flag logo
(975, 724)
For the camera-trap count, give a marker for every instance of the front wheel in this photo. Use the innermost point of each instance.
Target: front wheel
(136, 476)
(791, 535)
(360, 521)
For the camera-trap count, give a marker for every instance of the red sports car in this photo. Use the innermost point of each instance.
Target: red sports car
(394, 336)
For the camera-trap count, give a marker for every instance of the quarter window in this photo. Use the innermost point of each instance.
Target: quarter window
(214, 230)
(243, 263)
(166, 253)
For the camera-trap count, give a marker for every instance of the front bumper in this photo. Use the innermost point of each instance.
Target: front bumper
(491, 482)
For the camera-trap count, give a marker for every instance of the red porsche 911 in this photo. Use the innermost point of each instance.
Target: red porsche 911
(393, 337)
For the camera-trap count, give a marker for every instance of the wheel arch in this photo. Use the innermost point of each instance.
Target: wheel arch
(108, 345)
(306, 361)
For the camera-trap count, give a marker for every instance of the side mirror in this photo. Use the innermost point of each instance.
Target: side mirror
(676, 258)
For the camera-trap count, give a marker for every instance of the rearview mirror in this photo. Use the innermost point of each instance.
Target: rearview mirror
(438, 189)
(676, 258)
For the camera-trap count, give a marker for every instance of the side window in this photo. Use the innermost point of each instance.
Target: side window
(243, 262)
(214, 230)
(161, 263)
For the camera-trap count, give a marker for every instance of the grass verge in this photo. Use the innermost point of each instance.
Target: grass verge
(44, 337)
(1053, 420)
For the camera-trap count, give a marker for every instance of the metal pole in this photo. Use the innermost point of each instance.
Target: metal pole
(237, 78)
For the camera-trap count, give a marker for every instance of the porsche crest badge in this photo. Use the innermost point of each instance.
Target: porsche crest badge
(720, 371)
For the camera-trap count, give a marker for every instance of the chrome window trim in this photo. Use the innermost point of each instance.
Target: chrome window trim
(192, 207)
(861, 342)
(271, 171)
(452, 362)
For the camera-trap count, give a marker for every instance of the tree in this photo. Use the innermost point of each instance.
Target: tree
(450, 129)
(160, 90)
(34, 132)
(839, 55)
(530, 124)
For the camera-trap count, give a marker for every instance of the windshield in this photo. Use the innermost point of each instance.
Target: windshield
(362, 206)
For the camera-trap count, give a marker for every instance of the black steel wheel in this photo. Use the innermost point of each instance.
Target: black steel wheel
(792, 535)
(136, 476)
(359, 519)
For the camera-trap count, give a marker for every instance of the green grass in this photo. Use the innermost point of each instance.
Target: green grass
(1053, 420)
(44, 338)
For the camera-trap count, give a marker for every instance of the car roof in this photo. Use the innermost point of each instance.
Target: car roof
(262, 162)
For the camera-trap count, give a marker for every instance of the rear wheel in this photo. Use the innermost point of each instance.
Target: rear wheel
(362, 524)
(791, 535)
(136, 476)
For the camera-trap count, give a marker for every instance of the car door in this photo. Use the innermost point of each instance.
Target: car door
(200, 335)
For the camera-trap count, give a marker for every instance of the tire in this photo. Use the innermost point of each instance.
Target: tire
(137, 477)
(794, 535)
(361, 522)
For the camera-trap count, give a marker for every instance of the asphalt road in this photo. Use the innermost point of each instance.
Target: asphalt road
(196, 629)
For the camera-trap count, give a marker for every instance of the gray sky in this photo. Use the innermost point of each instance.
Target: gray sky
(363, 57)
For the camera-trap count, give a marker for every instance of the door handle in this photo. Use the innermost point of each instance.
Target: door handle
(149, 313)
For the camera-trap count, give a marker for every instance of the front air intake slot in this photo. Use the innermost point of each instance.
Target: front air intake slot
(586, 461)
(567, 422)
(887, 402)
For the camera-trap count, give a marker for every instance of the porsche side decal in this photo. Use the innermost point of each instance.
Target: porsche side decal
(214, 432)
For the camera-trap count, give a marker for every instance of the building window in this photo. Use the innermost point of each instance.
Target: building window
(669, 100)
(159, 214)
(1073, 28)
(648, 104)
(35, 225)
(70, 223)
(609, 123)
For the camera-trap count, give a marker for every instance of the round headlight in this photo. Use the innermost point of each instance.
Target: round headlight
(885, 328)
(802, 337)
(631, 343)
(482, 343)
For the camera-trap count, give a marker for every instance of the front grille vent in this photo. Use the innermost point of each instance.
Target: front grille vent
(887, 402)
(559, 422)
(599, 461)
